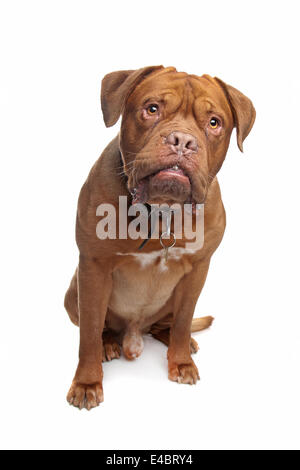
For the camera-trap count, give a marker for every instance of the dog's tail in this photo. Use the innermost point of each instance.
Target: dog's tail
(199, 324)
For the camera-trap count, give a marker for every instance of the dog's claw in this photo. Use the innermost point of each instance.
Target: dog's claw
(85, 396)
(111, 349)
(194, 346)
(184, 373)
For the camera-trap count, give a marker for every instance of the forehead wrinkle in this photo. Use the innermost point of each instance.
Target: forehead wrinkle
(182, 92)
(158, 96)
(207, 89)
(156, 86)
(197, 85)
(188, 96)
(161, 78)
(207, 106)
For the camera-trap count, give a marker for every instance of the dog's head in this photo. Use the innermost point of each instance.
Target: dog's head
(175, 130)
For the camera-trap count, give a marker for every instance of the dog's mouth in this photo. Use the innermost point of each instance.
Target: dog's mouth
(167, 184)
(175, 172)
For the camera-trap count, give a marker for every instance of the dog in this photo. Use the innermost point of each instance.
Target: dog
(174, 136)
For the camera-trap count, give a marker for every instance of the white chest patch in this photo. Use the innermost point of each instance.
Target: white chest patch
(143, 284)
(146, 259)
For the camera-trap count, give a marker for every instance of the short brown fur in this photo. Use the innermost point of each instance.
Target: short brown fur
(160, 302)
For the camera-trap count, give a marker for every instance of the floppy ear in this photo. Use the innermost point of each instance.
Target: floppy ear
(242, 109)
(115, 89)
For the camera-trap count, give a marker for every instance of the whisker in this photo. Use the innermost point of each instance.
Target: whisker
(127, 165)
(130, 165)
(138, 152)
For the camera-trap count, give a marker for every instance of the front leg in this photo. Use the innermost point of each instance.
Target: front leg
(182, 368)
(94, 288)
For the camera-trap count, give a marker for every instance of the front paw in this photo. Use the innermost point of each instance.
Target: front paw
(185, 373)
(85, 396)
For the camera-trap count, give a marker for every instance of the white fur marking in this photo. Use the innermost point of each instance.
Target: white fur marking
(163, 265)
(146, 259)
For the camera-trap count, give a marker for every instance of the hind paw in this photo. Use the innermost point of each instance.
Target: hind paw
(111, 348)
(193, 346)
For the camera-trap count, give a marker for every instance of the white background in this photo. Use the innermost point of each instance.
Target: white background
(53, 57)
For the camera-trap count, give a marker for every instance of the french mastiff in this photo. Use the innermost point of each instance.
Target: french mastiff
(174, 136)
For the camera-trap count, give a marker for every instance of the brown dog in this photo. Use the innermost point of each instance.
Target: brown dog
(174, 136)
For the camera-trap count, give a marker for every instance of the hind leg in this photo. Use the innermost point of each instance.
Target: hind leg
(161, 329)
(111, 349)
(71, 301)
(163, 336)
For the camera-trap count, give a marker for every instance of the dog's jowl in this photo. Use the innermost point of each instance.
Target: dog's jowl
(174, 136)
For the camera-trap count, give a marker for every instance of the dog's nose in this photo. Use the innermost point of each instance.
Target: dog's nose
(182, 143)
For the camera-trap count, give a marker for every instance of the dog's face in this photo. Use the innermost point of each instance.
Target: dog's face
(175, 130)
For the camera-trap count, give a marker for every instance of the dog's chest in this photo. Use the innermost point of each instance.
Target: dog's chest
(144, 283)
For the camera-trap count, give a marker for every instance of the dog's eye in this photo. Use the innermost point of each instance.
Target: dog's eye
(214, 123)
(152, 109)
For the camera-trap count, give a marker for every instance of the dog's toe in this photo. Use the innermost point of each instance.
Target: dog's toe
(194, 346)
(85, 396)
(111, 348)
(184, 373)
(111, 351)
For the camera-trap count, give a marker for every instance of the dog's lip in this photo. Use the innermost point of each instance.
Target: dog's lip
(171, 171)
